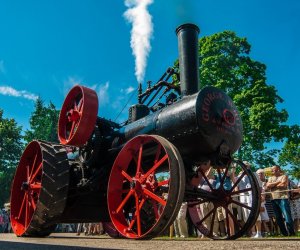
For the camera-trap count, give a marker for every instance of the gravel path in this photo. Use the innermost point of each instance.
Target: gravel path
(72, 242)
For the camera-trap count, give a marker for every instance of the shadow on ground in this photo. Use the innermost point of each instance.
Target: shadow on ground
(25, 246)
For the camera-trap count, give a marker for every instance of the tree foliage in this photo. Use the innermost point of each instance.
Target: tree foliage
(10, 150)
(225, 63)
(43, 123)
(290, 154)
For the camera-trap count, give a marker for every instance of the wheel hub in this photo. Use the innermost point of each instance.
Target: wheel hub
(25, 186)
(73, 115)
(223, 197)
(137, 186)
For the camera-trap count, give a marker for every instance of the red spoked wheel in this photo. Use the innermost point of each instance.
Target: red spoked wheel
(230, 202)
(146, 187)
(78, 116)
(38, 193)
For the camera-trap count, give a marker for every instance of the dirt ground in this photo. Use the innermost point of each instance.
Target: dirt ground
(71, 242)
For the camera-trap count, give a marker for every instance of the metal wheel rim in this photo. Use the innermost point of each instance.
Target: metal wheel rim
(78, 116)
(26, 188)
(139, 193)
(239, 230)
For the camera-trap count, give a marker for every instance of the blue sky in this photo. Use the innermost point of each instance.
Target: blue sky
(48, 46)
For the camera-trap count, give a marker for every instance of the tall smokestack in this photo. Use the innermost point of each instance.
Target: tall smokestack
(188, 58)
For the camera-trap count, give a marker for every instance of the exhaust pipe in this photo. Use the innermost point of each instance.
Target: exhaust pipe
(188, 58)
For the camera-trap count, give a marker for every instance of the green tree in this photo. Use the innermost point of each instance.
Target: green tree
(10, 150)
(43, 123)
(225, 62)
(290, 154)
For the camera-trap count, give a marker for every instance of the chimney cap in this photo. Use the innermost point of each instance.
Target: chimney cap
(187, 25)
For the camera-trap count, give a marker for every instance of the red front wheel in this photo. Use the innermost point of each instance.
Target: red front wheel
(146, 187)
(78, 116)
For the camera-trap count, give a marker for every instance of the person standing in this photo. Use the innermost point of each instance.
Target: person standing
(278, 184)
(180, 224)
(1, 222)
(263, 210)
(295, 205)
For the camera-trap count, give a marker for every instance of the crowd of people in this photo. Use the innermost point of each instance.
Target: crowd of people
(279, 212)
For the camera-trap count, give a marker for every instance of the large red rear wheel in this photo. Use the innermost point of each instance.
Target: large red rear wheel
(78, 116)
(146, 187)
(39, 189)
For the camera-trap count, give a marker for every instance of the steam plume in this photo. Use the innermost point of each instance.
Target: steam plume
(141, 32)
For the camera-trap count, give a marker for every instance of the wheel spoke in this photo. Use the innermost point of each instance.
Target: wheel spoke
(206, 216)
(162, 183)
(22, 206)
(138, 215)
(241, 191)
(206, 179)
(72, 129)
(36, 172)
(124, 201)
(36, 186)
(156, 165)
(134, 218)
(26, 211)
(33, 203)
(126, 176)
(227, 222)
(33, 165)
(138, 169)
(238, 181)
(155, 197)
(241, 204)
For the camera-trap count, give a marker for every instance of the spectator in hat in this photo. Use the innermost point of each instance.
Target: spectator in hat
(277, 184)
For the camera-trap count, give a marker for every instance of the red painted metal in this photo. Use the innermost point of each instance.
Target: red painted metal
(26, 188)
(78, 116)
(134, 193)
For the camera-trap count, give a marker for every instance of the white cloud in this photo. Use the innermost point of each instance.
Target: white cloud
(2, 68)
(128, 90)
(141, 33)
(7, 90)
(103, 95)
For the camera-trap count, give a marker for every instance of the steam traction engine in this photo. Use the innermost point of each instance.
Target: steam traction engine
(137, 174)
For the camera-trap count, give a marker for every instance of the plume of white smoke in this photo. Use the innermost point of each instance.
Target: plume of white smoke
(141, 33)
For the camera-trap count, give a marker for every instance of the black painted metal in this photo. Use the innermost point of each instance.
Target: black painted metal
(197, 124)
(188, 58)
